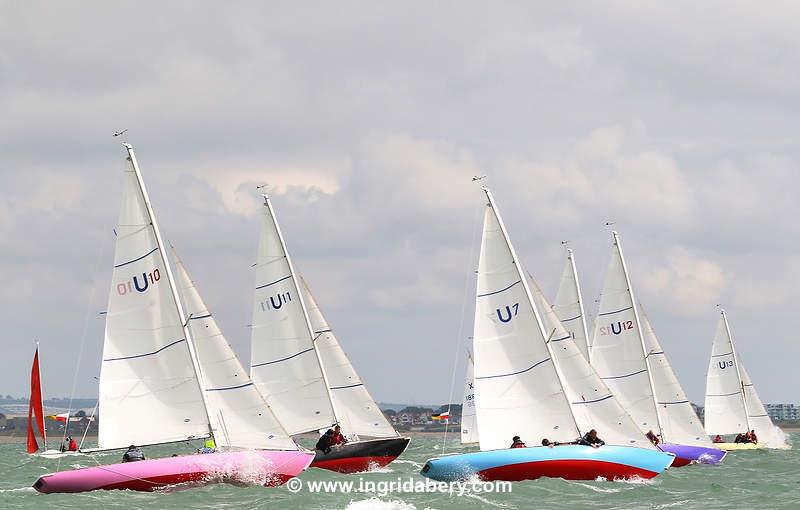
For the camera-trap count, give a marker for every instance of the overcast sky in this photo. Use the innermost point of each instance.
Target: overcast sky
(677, 121)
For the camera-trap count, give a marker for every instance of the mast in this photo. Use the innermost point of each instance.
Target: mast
(268, 203)
(738, 372)
(639, 330)
(172, 287)
(571, 257)
(524, 280)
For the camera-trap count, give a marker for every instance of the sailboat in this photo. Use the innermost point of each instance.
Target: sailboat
(520, 387)
(36, 408)
(301, 370)
(627, 355)
(152, 387)
(469, 418)
(732, 404)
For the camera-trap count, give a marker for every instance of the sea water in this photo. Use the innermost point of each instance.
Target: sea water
(745, 480)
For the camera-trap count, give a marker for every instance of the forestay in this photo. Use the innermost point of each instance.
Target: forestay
(149, 392)
(617, 351)
(568, 306)
(517, 389)
(679, 422)
(358, 413)
(469, 421)
(593, 404)
(239, 414)
(284, 364)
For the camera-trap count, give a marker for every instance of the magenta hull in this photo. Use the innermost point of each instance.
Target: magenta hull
(268, 468)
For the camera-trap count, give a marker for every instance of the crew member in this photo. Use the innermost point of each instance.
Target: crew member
(133, 454)
(516, 442)
(591, 439)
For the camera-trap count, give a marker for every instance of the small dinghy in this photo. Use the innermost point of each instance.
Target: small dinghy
(268, 468)
(573, 462)
(361, 456)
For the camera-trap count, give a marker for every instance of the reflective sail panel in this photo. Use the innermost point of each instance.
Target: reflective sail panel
(149, 392)
(284, 364)
(516, 384)
(358, 412)
(239, 414)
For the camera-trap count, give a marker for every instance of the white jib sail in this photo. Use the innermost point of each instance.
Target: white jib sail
(149, 391)
(569, 306)
(358, 413)
(239, 414)
(679, 422)
(767, 432)
(517, 388)
(593, 404)
(469, 420)
(617, 350)
(284, 363)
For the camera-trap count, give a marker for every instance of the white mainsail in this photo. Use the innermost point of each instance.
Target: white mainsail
(469, 420)
(239, 414)
(569, 306)
(593, 404)
(725, 411)
(285, 365)
(617, 347)
(627, 355)
(518, 391)
(732, 403)
(679, 422)
(150, 392)
(358, 413)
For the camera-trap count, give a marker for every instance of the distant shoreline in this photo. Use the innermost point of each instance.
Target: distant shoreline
(7, 439)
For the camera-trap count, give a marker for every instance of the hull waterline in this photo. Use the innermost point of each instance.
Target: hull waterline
(268, 468)
(569, 462)
(687, 454)
(360, 456)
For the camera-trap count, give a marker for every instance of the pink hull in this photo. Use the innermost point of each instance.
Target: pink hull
(268, 468)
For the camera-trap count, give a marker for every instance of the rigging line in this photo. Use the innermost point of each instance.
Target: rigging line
(81, 348)
(467, 281)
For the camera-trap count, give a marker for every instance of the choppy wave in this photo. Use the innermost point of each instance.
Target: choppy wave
(746, 479)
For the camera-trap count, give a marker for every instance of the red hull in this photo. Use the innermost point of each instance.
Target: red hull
(567, 469)
(360, 456)
(679, 462)
(353, 464)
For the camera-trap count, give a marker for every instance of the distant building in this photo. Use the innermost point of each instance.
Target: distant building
(783, 412)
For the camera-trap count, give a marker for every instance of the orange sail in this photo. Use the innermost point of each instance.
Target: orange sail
(35, 407)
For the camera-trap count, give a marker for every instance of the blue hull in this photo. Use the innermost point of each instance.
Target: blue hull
(573, 462)
(686, 454)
